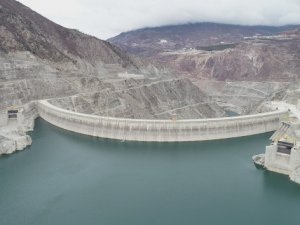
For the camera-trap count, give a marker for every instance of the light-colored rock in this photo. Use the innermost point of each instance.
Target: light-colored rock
(13, 142)
(295, 176)
(7, 146)
(242, 97)
(144, 99)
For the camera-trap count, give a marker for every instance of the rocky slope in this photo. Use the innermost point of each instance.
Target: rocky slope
(259, 59)
(25, 30)
(37, 56)
(145, 99)
(244, 97)
(220, 52)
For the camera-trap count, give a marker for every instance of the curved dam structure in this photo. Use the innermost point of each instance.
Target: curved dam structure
(160, 130)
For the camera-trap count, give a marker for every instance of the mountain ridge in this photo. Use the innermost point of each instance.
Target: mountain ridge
(219, 51)
(148, 41)
(25, 30)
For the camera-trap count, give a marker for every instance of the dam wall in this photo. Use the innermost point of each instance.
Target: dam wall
(160, 130)
(3, 118)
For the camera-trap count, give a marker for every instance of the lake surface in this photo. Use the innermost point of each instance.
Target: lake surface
(70, 179)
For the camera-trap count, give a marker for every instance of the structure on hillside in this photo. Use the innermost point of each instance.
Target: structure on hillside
(15, 121)
(11, 114)
(283, 154)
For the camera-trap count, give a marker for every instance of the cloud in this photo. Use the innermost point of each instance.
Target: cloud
(107, 18)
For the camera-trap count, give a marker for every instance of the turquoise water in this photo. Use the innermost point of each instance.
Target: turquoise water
(70, 179)
(231, 113)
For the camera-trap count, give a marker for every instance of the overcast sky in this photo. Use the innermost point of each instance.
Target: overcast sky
(107, 18)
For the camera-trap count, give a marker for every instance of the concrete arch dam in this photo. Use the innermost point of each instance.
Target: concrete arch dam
(160, 130)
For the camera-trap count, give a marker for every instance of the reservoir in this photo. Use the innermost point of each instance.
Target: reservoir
(70, 179)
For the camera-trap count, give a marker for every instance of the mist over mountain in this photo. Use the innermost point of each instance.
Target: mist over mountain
(104, 18)
(148, 41)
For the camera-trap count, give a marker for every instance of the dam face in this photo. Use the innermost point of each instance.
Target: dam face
(160, 130)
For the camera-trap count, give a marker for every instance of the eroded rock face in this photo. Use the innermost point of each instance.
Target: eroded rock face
(243, 97)
(7, 146)
(13, 141)
(38, 58)
(276, 59)
(145, 99)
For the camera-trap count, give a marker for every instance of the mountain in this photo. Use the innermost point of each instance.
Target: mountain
(150, 41)
(41, 59)
(22, 29)
(271, 58)
(219, 51)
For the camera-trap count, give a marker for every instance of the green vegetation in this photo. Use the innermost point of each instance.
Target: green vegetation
(219, 47)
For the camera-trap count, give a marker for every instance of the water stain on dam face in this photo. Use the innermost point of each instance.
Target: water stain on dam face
(71, 179)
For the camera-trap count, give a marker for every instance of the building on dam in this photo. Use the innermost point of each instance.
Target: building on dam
(283, 154)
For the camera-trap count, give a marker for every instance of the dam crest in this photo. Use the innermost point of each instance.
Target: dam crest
(160, 130)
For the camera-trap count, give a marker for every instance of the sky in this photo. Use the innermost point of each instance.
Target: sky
(108, 18)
